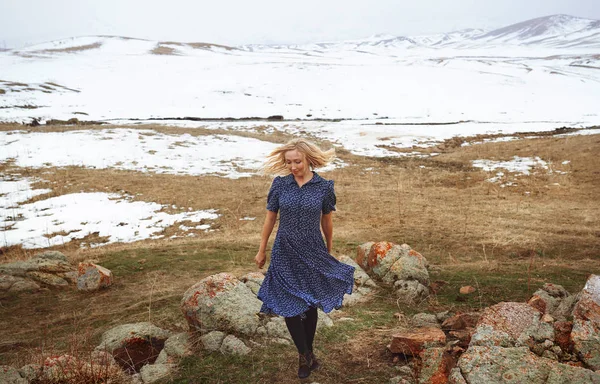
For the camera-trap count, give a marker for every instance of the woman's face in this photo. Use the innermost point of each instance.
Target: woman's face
(296, 163)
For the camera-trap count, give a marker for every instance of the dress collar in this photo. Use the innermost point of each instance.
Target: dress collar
(315, 179)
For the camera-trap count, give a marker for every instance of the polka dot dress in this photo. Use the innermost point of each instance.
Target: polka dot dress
(302, 274)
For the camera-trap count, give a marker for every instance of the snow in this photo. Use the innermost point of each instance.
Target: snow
(137, 150)
(518, 164)
(58, 220)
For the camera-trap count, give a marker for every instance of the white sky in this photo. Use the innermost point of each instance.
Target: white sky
(235, 22)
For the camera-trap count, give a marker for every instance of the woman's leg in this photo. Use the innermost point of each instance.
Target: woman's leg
(296, 328)
(310, 327)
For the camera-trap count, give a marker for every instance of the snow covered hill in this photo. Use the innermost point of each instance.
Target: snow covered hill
(540, 71)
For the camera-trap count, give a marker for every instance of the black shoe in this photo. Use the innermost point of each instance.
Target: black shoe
(315, 363)
(304, 364)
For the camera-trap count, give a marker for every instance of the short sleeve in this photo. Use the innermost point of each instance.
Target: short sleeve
(329, 200)
(273, 196)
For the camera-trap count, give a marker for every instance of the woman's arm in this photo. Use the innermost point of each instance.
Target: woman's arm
(327, 225)
(261, 256)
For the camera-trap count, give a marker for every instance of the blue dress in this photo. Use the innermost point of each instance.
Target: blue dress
(302, 274)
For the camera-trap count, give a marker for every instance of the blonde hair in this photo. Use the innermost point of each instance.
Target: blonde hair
(315, 156)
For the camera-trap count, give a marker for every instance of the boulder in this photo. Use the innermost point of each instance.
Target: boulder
(10, 283)
(436, 365)
(154, 372)
(221, 302)
(415, 341)
(586, 324)
(362, 253)
(492, 365)
(92, 277)
(565, 308)
(47, 279)
(253, 280)
(461, 321)
(411, 265)
(424, 320)
(543, 302)
(568, 374)
(178, 345)
(504, 323)
(212, 341)
(30, 372)
(361, 278)
(233, 346)
(410, 291)
(134, 345)
(10, 375)
(456, 377)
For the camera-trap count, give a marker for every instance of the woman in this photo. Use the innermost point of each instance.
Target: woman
(302, 275)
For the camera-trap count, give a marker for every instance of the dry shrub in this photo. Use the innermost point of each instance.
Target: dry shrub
(163, 50)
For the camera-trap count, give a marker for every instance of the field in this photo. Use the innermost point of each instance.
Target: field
(504, 240)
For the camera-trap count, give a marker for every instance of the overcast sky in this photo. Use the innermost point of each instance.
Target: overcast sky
(234, 22)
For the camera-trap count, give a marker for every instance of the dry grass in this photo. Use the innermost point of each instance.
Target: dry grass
(505, 240)
(163, 50)
(78, 48)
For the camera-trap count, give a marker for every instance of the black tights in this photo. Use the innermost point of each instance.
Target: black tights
(303, 328)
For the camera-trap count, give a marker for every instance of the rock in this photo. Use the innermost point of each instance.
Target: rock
(461, 321)
(424, 320)
(382, 256)
(10, 375)
(543, 302)
(221, 302)
(562, 335)
(253, 280)
(567, 374)
(546, 318)
(47, 279)
(324, 320)
(353, 299)
(503, 365)
(463, 336)
(466, 290)
(178, 345)
(436, 365)
(411, 265)
(443, 316)
(70, 276)
(414, 342)
(60, 369)
(152, 373)
(555, 290)
(456, 377)
(233, 346)
(361, 278)
(163, 358)
(134, 345)
(125, 334)
(502, 324)
(410, 291)
(52, 255)
(586, 324)
(17, 268)
(362, 253)
(565, 308)
(92, 277)
(276, 328)
(399, 380)
(10, 283)
(29, 372)
(486, 336)
(212, 341)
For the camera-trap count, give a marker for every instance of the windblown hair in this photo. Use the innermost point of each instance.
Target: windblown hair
(315, 156)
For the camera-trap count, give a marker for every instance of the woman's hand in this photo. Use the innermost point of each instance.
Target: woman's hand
(260, 259)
